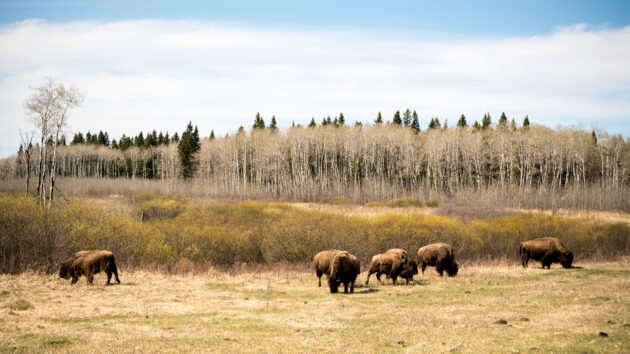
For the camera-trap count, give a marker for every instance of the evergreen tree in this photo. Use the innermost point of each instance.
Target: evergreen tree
(114, 144)
(462, 122)
(77, 139)
(335, 122)
(526, 122)
(358, 124)
(445, 123)
(175, 138)
(342, 119)
(324, 122)
(102, 139)
(167, 139)
(62, 141)
(379, 118)
(151, 140)
(312, 123)
(88, 137)
(212, 135)
(240, 131)
(328, 121)
(187, 148)
(486, 122)
(397, 119)
(125, 143)
(407, 118)
(502, 121)
(434, 123)
(415, 123)
(513, 125)
(160, 138)
(593, 137)
(259, 123)
(139, 140)
(476, 126)
(273, 126)
(293, 123)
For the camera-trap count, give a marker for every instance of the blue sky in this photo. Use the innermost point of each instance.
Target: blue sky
(148, 65)
(453, 17)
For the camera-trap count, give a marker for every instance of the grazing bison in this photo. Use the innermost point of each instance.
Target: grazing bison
(440, 255)
(321, 261)
(344, 268)
(390, 263)
(547, 250)
(409, 270)
(89, 263)
(400, 252)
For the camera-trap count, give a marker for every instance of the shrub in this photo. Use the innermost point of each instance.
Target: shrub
(431, 203)
(374, 204)
(92, 192)
(342, 201)
(403, 202)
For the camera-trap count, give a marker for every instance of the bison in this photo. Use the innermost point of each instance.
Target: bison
(89, 263)
(321, 262)
(344, 268)
(547, 250)
(438, 255)
(390, 263)
(409, 270)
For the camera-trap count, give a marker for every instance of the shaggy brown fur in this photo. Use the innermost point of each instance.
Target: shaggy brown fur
(547, 250)
(438, 255)
(89, 263)
(344, 268)
(400, 252)
(409, 270)
(388, 263)
(321, 262)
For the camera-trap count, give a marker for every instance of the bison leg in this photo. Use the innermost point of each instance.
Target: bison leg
(378, 277)
(368, 278)
(115, 271)
(90, 278)
(75, 279)
(424, 266)
(352, 286)
(394, 277)
(319, 277)
(345, 287)
(109, 276)
(524, 259)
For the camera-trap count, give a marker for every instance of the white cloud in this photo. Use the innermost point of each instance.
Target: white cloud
(141, 75)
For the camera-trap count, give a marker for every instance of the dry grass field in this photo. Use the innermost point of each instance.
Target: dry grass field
(280, 309)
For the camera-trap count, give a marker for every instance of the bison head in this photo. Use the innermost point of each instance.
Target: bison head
(64, 271)
(566, 259)
(452, 270)
(409, 269)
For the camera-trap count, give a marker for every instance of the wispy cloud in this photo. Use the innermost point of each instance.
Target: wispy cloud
(145, 74)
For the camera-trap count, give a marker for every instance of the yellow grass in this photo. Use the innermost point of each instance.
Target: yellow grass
(281, 309)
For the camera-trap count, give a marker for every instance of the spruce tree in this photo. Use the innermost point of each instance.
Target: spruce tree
(407, 118)
(462, 122)
(312, 124)
(486, 122)
(175, 138)
(328, 121)
(502, 121)
(167, 139)
(379, 118)
(114, 144)
(526, 122)
(396, 119)
(342, 119)
(445, 123)
(259, 123)
(273, 127)
(593, 137)
(434, 123)
(160, 139)
(62, 141)
(140, 140)
(513, 125)
(335, 122)
(77, 139)
(212, 135)
(186, 149)
(476, 126)
(415, 123)
(324, 122)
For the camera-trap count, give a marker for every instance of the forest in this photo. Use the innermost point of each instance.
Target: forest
(363, 162)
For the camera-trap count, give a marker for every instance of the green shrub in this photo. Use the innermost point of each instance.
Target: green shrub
(431, 203)
(403, 202)
(374, 204)
(343, 201)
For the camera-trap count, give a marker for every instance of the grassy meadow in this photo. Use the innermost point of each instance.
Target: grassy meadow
(496, 308)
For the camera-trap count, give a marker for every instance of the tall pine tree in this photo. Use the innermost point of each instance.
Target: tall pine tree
(415, 123)
(379, 118)
(462, 122)
(188, 146)
(396, 119)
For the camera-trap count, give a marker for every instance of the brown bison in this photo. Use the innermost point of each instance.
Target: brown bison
(409, 270)
(547, 250)
(438, 255)
(390, 263)
(321, 262)
(344, 268)
(89, 263)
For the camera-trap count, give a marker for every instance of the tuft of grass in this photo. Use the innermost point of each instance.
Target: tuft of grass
(20, 305)
(374, 204)
(92, 192)
(403, 202)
